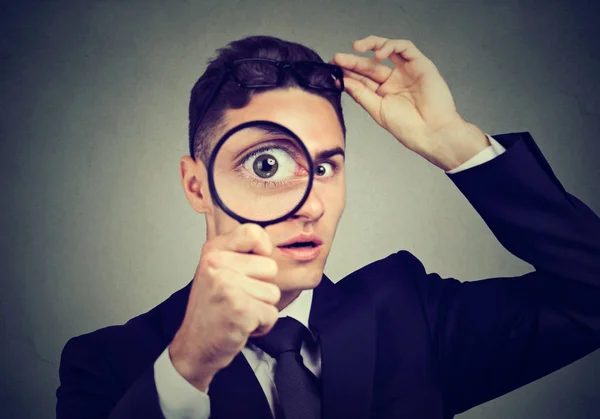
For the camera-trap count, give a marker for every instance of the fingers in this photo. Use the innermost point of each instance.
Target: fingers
(266, 292)
(261, 291)
(365, 97)
(233, 295)
(255, 266)
(384, 47)
(267, 316)
(369, 43)
(232, 251)
(248, 238)
(244, 304)
(398, 51)
(365, 66)
(247, 312)
(370, 84)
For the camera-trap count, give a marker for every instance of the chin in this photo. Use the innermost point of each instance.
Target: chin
(300, 279)
(299, 274)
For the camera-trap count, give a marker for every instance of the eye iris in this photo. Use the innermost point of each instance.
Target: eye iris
(321, 170)
(265, 166)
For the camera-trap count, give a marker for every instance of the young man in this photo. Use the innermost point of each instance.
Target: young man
(387, 341)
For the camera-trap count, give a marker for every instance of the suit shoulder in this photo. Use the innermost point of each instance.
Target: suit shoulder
(399, 274)
(142, 324)
(397, 269)
(126, 349)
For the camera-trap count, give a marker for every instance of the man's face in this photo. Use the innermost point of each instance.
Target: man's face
(314, 120)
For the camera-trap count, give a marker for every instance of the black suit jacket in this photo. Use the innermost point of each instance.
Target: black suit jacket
(397, 342)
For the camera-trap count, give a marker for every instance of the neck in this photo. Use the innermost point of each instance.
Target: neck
(287, 297)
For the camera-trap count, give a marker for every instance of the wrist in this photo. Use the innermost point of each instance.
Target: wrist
(190, 367)
(457, 145)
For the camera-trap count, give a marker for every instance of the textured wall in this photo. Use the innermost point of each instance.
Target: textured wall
(96, 229)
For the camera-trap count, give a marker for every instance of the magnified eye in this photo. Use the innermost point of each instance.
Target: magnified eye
(265, 165)
(272, 163)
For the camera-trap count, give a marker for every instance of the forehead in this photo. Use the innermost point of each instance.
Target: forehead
(309, 116)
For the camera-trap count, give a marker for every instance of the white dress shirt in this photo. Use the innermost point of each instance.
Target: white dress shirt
(181, 400)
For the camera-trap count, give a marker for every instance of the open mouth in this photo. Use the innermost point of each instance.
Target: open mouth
(299, 245)
(302, 249)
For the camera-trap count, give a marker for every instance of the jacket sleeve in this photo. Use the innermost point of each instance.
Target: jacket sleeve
(88, 389)
(495, 335)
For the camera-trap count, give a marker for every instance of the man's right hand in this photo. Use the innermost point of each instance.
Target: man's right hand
(232, 298)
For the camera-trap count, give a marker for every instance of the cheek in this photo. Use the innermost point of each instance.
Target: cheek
(336, 198)
(223, 223)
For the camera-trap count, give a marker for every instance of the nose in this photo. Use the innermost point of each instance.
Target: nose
(313, 208)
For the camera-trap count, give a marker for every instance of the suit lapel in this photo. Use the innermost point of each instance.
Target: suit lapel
(345, 328)
(172, 311)
(234, 391)
(344, 324)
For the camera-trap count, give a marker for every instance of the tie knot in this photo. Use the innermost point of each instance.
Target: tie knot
(287, 335)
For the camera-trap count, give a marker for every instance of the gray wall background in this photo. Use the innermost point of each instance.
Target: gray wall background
(96, 229)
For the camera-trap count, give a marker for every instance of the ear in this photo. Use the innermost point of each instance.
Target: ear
(194, 180)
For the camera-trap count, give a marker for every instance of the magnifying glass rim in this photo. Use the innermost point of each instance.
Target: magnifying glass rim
(211, 181)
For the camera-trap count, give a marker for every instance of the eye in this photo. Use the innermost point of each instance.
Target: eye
(272, 163)
(265, 165)
(325, 169)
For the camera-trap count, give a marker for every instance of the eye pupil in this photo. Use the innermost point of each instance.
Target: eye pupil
(265, 166)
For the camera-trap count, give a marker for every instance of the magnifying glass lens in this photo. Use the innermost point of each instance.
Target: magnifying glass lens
(261, 173)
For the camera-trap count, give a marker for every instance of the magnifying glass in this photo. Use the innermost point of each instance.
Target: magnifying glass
(260, 172)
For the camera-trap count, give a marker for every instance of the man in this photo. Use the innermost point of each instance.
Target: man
(387, 341)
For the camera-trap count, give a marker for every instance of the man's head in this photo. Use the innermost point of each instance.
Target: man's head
(314, 115)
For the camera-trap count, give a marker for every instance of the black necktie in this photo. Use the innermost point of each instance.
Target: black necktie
(297, 387)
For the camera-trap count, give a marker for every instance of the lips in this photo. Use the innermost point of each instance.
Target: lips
(302, 241)
(302, 248)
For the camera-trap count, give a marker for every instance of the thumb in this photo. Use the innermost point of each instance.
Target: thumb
(365, 97)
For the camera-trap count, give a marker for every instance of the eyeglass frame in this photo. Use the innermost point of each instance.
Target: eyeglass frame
(281, 66)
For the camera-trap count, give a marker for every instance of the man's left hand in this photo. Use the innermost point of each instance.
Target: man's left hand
(411, 101)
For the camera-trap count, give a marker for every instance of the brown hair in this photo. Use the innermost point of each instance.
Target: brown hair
(231, 96)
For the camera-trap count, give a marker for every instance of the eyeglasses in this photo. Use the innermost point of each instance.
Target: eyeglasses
(253, 73)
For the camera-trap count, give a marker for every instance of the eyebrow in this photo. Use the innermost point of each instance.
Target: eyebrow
(325, 154)
(321, 155)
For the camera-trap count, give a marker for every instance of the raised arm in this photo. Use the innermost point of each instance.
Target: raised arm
(495, 335)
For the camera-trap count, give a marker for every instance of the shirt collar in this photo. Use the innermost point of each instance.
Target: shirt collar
(299, 309)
